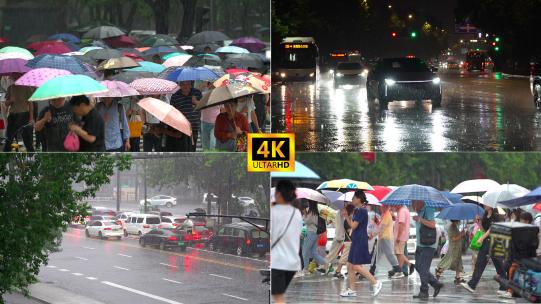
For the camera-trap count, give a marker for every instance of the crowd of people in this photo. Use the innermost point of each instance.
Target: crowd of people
(365, 233)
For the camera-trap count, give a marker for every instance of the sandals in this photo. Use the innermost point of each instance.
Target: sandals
(459, 280)
(438, 272)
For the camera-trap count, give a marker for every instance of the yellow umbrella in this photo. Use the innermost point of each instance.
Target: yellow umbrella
(344, 185)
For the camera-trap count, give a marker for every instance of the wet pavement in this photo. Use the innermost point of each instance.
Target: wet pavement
(318, 288)
(117, 272)
(480, 112)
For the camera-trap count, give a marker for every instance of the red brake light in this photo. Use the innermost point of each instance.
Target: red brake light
(175, 224)
(146, 226)
(248, 242)
(109, 228)
(172, 238)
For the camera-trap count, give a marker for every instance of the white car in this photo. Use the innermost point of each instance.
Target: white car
(123, 216)
(161, 200)
(246, 202)
(172, 221)
(103, 229)
(349, 73)
(141, 224)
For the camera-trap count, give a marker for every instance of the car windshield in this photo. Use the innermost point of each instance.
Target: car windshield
(153, 220)
(349, 66)
(404, 65)
(257, 234)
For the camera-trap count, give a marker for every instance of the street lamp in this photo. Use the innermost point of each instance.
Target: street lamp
(410, 16)
(390, 6)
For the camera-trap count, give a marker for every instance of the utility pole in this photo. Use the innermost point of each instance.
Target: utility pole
(118, 190)
(145, 184)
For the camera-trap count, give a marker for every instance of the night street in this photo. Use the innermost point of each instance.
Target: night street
(479, 112)
(118, 272)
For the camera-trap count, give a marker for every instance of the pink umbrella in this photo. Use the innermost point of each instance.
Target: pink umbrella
(167, 114)
(117, 89)
(37, 77)
(154, 86)
(57, 48)
(176, 61)
(8, 66)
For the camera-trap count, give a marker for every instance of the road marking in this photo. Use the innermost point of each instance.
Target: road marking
(235, 297)
(90, 248)
(118, 267)
(80, 258)
(168, 265)
(142, 293)
(219, 276)
(50, 266)
(77, 274)
(63, 270)
(171, 281)
(124, 255)
(91, 278)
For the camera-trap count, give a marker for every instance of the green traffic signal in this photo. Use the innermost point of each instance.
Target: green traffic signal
(497, 48)
(497, 39)
(413, 34)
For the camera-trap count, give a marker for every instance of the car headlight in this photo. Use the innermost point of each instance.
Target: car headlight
(436, 80)
(339, 74)
(365, 72)
(389, 81)
(331, 71)
(283, 75)
(312, 74)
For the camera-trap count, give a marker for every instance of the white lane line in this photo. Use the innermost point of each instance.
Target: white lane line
(50, 266)
(168, 265)
(124, 255)
(171, 281)
(81, 258)
(142, 293)
(219, 276)
(234, 297)
(63, 270)
(91, 278)
(118, 267)
(90, 248)
(77, 274)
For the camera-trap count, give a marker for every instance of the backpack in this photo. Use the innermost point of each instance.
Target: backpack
(321, 225)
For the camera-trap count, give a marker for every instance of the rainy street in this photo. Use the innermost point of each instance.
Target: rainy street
(112, 271)
(479, 112)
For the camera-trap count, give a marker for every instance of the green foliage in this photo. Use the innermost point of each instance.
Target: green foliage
(37, 201)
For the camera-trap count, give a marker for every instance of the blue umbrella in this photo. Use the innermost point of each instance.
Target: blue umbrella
(455, 198)
(65, 37)
(159, 50)
(530, 198)
(188, 74)
(62, 62)
(461, 211)
(146, 66)
(406, 194)
(301, 172)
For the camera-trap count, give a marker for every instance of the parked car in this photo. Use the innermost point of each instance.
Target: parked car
(163, 239)
(195, 234)
(102, 218)
(160, 200)
(123, 216)
(246, 202)
(241, 238)
(141, 224)
(103, 229)
(172, 222)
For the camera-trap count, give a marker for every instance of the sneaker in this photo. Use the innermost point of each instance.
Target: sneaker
(501, 292)
(377, 288)
(437, 289)
(338, 275)
(412, 268)
(390, 273)
(397, 275)
(348, 293)
(505, 295)
(299, 274)
(467, 286)
(322, 270)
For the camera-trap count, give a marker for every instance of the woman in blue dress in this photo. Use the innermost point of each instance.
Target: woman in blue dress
(358, 253)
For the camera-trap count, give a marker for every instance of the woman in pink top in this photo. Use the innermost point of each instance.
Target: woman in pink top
(401, 236)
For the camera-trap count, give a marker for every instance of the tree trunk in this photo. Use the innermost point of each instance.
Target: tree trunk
(188, 19)
(131, 16)
(161, 15)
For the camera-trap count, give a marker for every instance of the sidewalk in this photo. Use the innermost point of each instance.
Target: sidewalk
(42, 293)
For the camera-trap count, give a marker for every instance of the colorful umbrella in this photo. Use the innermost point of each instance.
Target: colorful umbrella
(475, 186)
(117, 89)
(190, 74)
(146, 66)
(102, 32)
(223, 94)
(176, 61)
(379, 192)
(66, 86)
(167, 114)
(256, 80)
(17, 50)
(117, 64)
(461, 211)
(406, 194)
(207, 37)
(134, 56)
(306, 193)
(61, 62)
(252, 44)
(8, 66)
(344, 185)
(65, 37)
(37, 77)
(87, 49)
(120, 42)
(53, 48)
(232, 50)
(348, 197)
(154, 86)
(455, 198)
(503, 193)
(174, 54)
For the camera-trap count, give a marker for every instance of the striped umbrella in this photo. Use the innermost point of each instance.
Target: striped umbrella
(154, 86)
(405, 195)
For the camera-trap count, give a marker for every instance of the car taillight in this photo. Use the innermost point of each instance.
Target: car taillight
(146, 226)
(175, 224)
(248, 242)
(172, 238)
(107, 228)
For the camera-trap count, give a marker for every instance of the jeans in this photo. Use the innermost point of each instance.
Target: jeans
(423, 259)
(208, 141)
(152, 142)
(481, 263)
(15, 122)
(309, 249)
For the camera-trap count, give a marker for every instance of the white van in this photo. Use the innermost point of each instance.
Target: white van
(141, 223)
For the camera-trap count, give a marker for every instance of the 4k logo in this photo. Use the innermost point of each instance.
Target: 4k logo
(271, 152)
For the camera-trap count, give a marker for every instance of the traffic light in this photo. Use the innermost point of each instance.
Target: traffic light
(413, 34)
(497, 48)
(493, 43)
(393, 34)
(497, 39)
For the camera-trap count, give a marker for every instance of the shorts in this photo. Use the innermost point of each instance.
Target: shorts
(280, 280)
(399, 247)
(345, 253)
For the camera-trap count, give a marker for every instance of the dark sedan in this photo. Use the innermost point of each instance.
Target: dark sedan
(403, 79)
(163, 238)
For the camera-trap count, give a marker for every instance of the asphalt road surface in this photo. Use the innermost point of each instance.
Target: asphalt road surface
(122, 271)
(480, 112)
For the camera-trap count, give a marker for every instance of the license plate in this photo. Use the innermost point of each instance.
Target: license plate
(181, 243)
(259, 245)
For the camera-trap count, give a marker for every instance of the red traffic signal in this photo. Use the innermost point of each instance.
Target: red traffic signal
(393, 34)
(493, 43)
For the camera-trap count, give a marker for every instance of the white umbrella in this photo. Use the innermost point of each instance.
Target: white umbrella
(502, 193)
(306, 193)
(475, 185)
(348, 197)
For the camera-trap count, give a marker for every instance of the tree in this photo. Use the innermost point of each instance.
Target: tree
(188, 19)
(161, 15)
(39, 199)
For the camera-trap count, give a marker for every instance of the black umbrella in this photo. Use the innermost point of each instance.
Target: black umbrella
(104, 54)
(129, 77)
(243, 61)
(207, 37)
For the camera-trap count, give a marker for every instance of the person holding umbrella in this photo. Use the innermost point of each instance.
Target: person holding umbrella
(20, 113)
(453, 259)
(230, 125)
(92, 133)
(185, 101)
(358, 254)
(117, 131)
(53, 121)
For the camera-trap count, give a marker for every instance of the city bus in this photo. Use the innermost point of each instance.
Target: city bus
(298, 60)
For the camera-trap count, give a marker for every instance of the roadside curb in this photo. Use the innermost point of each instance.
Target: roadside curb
(515, 76)
(49, 294)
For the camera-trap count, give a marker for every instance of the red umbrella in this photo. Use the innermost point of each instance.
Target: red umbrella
(58, 48)
(120, 42)
(133, 56)
(38, 45)
(379, 192)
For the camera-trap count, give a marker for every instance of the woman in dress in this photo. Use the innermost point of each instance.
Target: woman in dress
(358, 253)
(453, 259)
